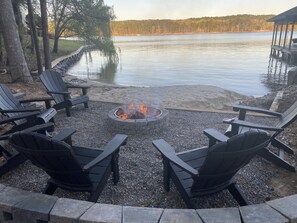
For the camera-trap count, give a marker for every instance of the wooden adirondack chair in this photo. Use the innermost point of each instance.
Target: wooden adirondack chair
(239, 125)
(56, 87)
(18, 117)
(71, 167)
(209, 170)
(10, 107)
(10, 158)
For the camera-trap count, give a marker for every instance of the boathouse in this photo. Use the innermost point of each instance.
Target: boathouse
(284, 43)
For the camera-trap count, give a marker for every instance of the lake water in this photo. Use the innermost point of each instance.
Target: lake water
(235, 61)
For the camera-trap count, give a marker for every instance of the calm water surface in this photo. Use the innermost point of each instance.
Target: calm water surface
(239, 62)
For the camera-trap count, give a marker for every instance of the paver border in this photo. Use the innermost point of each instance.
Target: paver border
(15, 208)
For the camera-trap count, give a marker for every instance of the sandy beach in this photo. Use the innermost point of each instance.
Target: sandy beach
(187, 97)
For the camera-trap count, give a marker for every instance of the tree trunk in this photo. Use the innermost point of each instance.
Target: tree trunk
(44, 21)
(56, 45)
(17, 63)
(34, 36)
(18, 18)
(1, 53)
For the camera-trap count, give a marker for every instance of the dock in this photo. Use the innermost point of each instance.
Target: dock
(283, 44)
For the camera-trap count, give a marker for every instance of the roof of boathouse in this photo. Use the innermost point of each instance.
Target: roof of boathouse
(287, 16)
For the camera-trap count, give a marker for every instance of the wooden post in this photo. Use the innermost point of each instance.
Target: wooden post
(273, 34)
(275, 37)
(280, 37)
(291, 34)
(274, 29)
(287, 25)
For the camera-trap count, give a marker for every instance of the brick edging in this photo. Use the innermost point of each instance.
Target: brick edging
(19, 206)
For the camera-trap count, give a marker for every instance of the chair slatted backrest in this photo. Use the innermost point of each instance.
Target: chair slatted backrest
(53, 81)
(9, 102)
(56, 158)
(289, 116)
(226, 158)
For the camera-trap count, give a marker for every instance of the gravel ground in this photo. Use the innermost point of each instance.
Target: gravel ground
(141, 182)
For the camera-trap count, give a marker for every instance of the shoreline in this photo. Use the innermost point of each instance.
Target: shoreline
(183, 97)
(203, 98)
(194, 33)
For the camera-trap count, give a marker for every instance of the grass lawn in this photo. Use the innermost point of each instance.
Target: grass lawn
(65, 47)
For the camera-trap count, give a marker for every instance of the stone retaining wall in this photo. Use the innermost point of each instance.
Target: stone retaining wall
(292, 76)
(62, 64)
(19, 206)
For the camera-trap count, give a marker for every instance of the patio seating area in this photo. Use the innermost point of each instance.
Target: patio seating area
(140, 164)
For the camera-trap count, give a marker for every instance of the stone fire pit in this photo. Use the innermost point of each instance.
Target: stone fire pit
(137, 119)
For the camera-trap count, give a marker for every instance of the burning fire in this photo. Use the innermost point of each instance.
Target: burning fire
(134, 111)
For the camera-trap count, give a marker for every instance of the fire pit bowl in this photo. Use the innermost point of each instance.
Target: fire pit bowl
(130, 119)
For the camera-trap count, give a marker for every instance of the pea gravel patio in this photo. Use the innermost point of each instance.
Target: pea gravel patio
(141, 180)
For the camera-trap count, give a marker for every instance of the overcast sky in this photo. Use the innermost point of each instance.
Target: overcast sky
(181, 9)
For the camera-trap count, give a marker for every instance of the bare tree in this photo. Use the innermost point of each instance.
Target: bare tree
(17, 63)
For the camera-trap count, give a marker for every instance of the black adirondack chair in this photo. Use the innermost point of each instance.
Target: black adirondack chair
(10, 107)
(239, 125)
(71, 167)
(56, 87)
(9, 157)
(209, 170)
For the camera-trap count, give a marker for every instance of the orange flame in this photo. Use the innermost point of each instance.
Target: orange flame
(143, 109)
(134, 110)
(124, 116)
(131, 106)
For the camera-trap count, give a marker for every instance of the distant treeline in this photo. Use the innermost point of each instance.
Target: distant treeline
(235, 23)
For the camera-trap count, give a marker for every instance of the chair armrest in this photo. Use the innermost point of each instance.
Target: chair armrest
(254, 109)
(36, 100)
(41, 127)
(19, 95)
(18, 117)
(84, 88)
(78, 86)
(215, 136)
(111, 147)
(65, 135)
(59, 92)
(47, 101)
(168, 153)
(36, 128)
(236, 122)
(23, 110)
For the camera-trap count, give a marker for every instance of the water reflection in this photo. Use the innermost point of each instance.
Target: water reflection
(94, 66)
(236, 61)
(277, 74)
(108, 72)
